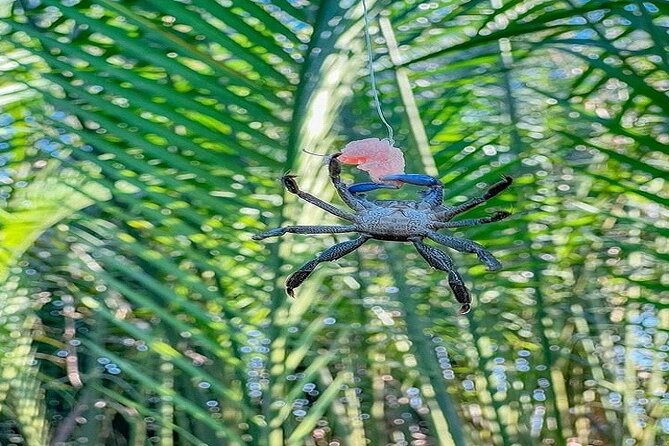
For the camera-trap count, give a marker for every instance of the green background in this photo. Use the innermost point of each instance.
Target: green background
(141, 143)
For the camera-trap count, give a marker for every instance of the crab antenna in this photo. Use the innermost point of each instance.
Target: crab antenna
(314, 153)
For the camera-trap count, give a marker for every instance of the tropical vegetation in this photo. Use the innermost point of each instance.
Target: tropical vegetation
(142, 145)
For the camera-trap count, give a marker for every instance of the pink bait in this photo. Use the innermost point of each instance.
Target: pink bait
(377, 157)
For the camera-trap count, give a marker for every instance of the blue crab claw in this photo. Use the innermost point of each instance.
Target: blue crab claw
(417, 179)
(366, 187)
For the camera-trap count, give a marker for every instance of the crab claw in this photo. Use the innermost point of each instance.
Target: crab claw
(334, 165)
(366, 187)
(417, 179)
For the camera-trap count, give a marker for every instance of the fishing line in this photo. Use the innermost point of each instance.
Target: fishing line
(316, 154)
(372, 78)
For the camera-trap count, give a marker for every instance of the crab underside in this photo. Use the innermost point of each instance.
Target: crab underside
(395, 220)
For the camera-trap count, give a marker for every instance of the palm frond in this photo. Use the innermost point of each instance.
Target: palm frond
(162, 129)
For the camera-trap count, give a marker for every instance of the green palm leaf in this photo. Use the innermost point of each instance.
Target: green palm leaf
(165, 125)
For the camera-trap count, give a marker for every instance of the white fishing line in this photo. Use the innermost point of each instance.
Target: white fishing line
(372, 77)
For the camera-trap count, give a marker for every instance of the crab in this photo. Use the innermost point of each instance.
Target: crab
(397, 221)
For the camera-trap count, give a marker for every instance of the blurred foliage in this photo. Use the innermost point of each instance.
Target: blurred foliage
(141, 146)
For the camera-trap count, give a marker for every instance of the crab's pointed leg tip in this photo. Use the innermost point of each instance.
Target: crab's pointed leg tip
(256, 237)
(290, 292)
(465, 308)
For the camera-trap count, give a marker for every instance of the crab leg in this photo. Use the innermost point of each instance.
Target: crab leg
(463, 245)
(333, 253)
(440, 260)
(277, 232)
(494, 190)
(500, 215)
(291, 185)
(347, 196)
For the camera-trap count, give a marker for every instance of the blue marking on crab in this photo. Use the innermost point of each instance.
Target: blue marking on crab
(366, 187)
(417, 179)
